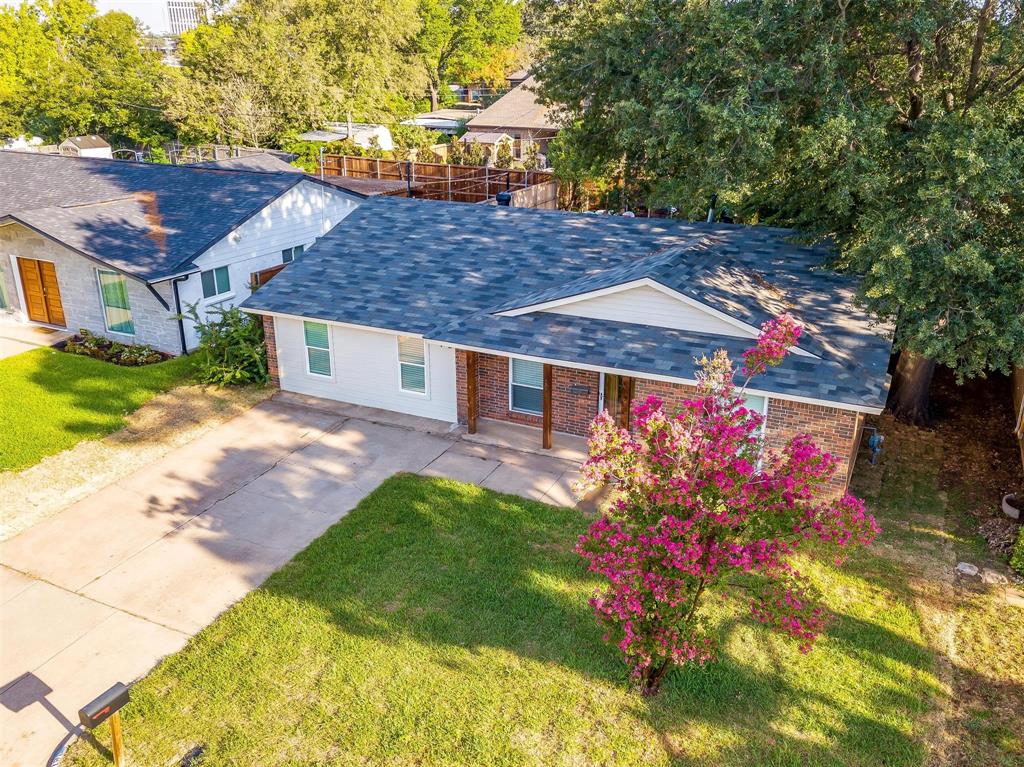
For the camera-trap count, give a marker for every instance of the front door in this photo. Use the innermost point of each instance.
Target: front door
(618, 398)
(42, 294)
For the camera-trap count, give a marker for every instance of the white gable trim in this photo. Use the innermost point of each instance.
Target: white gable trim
(746, 330)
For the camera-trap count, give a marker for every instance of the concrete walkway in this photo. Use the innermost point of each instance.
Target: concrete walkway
(17, 337)
(101, 591)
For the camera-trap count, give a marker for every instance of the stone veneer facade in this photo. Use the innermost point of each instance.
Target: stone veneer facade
(80, 292)
(834, 430)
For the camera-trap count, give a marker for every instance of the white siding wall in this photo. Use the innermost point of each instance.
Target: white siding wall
(645, 305)
(364, 366)
(298, 217)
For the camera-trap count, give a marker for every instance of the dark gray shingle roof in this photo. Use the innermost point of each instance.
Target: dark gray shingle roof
(146, 219)
(444, 270)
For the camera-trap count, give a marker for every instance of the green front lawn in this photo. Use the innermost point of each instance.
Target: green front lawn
(50, 400)
(443, 624)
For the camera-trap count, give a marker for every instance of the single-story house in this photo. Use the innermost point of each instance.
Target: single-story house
(519, 114)
(120, 248)
(366, 135)
(85, 146)
(545, 318)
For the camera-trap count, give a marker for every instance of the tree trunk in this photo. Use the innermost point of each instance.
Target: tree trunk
(433, 96)
(650, 680)
(909, 397)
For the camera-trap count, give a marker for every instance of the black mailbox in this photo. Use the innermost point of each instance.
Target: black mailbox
(97, 712)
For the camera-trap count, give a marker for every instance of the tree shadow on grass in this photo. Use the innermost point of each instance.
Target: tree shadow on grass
(450, 565)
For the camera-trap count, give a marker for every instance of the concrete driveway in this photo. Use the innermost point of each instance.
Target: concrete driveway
(103, 590)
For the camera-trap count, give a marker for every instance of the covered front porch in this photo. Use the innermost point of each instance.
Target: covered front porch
(526, 402)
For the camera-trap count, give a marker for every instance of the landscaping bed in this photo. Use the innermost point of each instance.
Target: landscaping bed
(88, 344)
(52, 400)
(443, 624)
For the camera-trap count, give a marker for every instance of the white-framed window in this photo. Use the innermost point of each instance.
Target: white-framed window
(117, 311)
(216, 282)
(412, 364)
(290, 254)
(756, 403)
(318, 348)
(526, 386)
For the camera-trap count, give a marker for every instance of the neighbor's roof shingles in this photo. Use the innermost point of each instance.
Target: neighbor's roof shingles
(447, 270)
(145, 219)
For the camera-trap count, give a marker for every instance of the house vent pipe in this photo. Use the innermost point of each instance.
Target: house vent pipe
(711, 209)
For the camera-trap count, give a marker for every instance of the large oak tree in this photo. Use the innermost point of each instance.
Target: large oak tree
(893, 127)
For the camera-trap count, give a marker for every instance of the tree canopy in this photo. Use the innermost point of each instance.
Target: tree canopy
(65, 70)
(894, 128)
(261, 72)
(463, 40)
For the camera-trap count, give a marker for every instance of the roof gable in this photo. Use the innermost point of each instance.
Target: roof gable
(644, 302)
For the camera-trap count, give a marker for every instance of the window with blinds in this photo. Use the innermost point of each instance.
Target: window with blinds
(117, 312)
(318, 348)
(412, 364)
(526, 386)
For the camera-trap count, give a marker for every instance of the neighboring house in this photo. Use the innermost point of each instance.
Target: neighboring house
(85, 146)
(543, 318)
(118, 248)
(366, 135)
(448, 121)
(521, 116)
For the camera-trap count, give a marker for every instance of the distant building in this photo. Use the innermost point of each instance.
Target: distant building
(85, 146)
(520, 115)
(183, 15)
(365, 135)
(160, 17)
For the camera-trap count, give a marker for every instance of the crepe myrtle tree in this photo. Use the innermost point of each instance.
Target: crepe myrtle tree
(702, 506)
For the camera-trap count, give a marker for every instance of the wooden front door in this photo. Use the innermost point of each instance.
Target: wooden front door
(42, 293)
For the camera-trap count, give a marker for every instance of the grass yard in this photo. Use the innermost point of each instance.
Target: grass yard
(443, 624)
(50, 400)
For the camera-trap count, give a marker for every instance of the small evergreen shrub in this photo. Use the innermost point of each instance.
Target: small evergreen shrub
(231, 348)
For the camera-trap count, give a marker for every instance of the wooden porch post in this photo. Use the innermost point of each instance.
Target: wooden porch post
(548, 379)
(472, 405)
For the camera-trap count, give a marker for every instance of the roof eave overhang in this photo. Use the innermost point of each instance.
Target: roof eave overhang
(867, 409)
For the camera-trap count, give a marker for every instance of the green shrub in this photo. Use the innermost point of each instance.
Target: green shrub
(1017, 557)
(231, 349)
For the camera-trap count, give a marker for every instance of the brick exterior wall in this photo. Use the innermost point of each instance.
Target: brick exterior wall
(270, 338)
(571, 412)
(834, 430)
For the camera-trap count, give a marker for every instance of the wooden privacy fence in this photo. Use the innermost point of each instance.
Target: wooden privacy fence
(439, 181)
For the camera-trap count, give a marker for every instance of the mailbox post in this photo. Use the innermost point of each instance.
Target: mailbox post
(108, 706)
